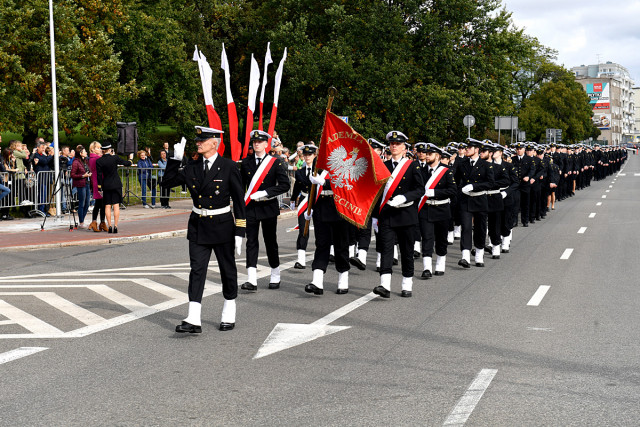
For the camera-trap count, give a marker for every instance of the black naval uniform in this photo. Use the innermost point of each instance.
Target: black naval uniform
(511, 202)
(524, 168)
(212, 231)
(473, 207)
(301, 188)
(265, 212)
(435, 214)
(495, 202)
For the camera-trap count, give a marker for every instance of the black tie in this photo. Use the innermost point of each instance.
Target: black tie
(206, 166)
(308, 171)
(473, 163)
(394, 164)
(259, 160)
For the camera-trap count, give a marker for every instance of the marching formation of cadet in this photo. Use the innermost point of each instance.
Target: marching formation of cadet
(474, 191)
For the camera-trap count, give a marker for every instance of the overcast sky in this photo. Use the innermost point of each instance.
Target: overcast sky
(582, 30)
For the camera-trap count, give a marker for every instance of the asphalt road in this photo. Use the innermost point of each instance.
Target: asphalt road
(95, 326)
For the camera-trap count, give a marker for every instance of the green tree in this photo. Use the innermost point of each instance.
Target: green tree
(89, 95)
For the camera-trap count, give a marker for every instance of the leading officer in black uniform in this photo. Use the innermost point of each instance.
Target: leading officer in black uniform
(300, 192)
(262, 207)
(213, 183)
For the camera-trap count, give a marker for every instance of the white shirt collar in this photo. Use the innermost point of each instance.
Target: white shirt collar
(211, 159)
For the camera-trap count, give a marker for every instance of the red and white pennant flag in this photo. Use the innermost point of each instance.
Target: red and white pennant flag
(236, 147)
(205, 78)
(276, 95)
(254, 83)
(267, 61)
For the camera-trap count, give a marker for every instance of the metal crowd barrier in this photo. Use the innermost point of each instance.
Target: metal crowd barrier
(34, 192)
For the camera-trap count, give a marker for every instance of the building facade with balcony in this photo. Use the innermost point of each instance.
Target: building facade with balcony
(611, 92)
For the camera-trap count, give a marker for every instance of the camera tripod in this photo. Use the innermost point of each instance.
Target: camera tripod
(68, 196)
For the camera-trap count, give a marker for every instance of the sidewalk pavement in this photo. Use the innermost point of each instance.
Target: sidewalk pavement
(136, 223)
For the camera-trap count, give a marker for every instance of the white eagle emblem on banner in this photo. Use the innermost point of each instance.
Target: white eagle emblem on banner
(343, 170)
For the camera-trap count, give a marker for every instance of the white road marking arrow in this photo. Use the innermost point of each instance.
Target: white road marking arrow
(287, 335)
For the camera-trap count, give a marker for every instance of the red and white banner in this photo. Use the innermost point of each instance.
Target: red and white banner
(436, 176)
(356, 172)
(276, 96)
(267, 61)
(234, 143)
(254, 83)
(205, 78)
(259, 176)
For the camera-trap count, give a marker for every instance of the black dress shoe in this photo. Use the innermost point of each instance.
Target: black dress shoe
(488, 249)
(479, 264)
(313, 289)
(342, 291)
(224, 326)
(299, 266)
(332, 258)
(110, 230)
(115, 230)
(525, 224)
(188, 327)
(533, 221)
(416, 254)
(505, 251)
(379, 290)
(355, 261)
(274, 285)
(249, 286)
(405, 294)
(495, 256)
(439, 273)
(464, 263)
(426, 274)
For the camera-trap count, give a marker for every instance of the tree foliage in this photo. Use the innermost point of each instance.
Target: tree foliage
(415, 66)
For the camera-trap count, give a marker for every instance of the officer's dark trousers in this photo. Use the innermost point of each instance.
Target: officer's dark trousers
(494, 220)
(434, 232)
(534, 204)
(524, 206)
(302, 241)
(199, 256)
(476, 223)
(364, 237)
(405, 236)
(269, 226)
(334, 233)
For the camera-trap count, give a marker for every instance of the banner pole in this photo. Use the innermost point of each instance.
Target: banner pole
(312, 193)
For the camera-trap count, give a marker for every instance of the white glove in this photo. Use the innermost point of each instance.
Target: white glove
(292, 205)
(503, 194)
(259, 195)
(178, 149)
(467, 188)
(397, 200)
(430, 192)
(238, 245)
(308, 215)
(317, 180)
(374, 224)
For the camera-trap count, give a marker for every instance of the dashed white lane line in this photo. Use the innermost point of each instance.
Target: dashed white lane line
(599, 204)
(592, 215)
(611, 186)
(470, 399)
(604, 196)
(582, 230)
(607, 191)
(537, 297)
(19, 353)
(567, 253)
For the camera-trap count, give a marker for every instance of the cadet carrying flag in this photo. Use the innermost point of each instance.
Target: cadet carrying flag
(205, 78)
(276, 95)
(236, 147)
(356, 172)
(267, 61)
